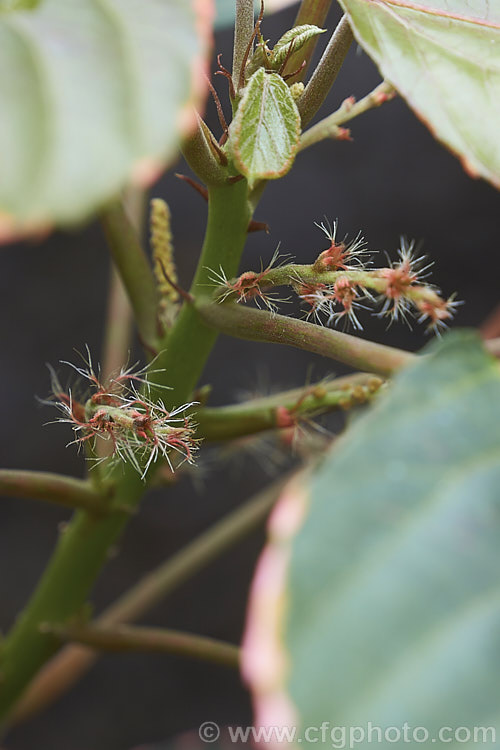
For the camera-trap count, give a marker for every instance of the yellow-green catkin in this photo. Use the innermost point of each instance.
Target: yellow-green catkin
(163, 259)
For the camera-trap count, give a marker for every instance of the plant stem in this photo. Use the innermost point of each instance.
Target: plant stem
(328, 127)
(123, 638)
(79, 555)
(256, 415)
(53, 488)
(119, 319)
(243, 30)
(135, 271)
(294, 274)
(312, 11)
(228, 218)
(84, 546)
(326, 71)
(117, 333)
(259, 325)
(66, 667)
(119, 316)
(204, 155)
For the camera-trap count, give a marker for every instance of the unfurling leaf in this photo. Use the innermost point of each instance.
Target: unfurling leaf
(298, 36)
(265, 132)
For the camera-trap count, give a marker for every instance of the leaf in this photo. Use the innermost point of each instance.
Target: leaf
(392, 584)
(94, 93)
(444, 57)
(299, 35)
(265, 132)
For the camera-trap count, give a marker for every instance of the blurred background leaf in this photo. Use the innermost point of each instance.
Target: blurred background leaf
(92, 95)
(391, 608)
(443, 56)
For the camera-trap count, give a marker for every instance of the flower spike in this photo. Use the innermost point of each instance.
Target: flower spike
(141, 430)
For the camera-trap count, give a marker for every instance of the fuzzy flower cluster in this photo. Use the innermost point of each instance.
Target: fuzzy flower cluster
(251, 285)
(139, 430)
(342, 282)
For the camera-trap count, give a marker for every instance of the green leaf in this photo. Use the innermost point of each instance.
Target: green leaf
(392, 587)
(94, 93)
(299, 36)
(443, 56)
(265, 132)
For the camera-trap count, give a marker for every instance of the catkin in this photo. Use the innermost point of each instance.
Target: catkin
(163, 251)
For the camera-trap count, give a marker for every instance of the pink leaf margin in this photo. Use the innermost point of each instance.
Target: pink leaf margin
(265, 662)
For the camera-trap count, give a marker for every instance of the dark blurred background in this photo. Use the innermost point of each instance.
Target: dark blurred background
(393, 179)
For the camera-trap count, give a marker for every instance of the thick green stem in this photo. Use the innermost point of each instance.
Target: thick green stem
(228, 218)
(84, 546)
(259, 325)
(123, 638)
(53, 488)
(72, 662)
(79, 555)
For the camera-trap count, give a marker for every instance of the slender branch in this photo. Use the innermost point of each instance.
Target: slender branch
(326, 71)
(84, 547)
(313, 12)
(123, 638)
(119, 316)
(117, 338)
(258, 325)
(54, 488)
(117, 332)
(243, 30)
(134, 269)
(72, 662)
(283, 409)
(295, 275)
(329, 126)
